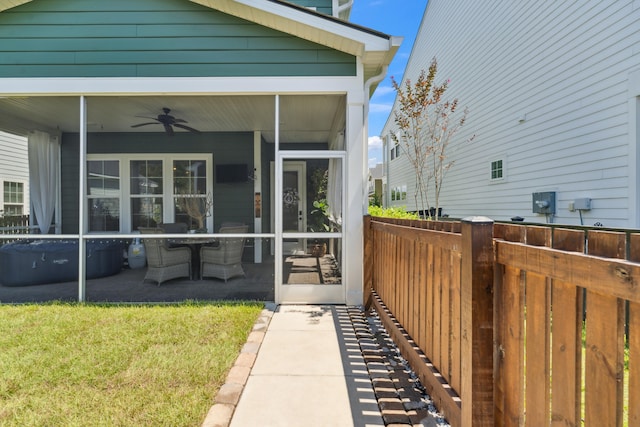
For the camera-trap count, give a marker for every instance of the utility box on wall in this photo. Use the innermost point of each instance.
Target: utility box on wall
(544, 202)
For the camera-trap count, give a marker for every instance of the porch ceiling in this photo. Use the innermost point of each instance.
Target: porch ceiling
(303, 118)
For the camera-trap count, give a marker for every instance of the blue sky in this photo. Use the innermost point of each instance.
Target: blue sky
(397, 18)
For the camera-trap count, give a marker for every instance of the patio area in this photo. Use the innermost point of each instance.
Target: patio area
(128, 285)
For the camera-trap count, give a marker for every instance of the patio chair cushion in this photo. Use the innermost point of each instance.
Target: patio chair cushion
(174, 227)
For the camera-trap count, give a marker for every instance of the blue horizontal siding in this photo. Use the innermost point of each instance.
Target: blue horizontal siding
(151, 38)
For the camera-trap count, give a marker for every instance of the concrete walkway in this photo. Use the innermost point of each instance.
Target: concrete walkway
(308, 371)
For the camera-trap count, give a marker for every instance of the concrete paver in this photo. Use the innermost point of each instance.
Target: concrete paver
(309, 371)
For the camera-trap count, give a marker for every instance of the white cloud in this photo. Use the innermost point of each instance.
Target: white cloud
(375, 142)
(383, 90)
(380, 107)
(375, 151)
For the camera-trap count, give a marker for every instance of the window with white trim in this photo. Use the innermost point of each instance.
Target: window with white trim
(399, 193)
(497, 170)
(127, 191)
(13, 198)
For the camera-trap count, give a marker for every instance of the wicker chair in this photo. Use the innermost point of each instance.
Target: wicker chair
(165, 263)
(225, 260)
(174, 227)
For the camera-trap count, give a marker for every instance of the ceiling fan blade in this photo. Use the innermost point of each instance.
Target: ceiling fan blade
(179, 120)
(186, 127)
(168, 129)
(144, 124)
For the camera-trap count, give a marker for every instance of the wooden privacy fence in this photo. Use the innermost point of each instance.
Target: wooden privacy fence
(512, 324)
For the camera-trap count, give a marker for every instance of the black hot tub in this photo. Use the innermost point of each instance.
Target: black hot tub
(34, 262)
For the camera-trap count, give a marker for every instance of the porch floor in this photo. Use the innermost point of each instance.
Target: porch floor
(128, 286)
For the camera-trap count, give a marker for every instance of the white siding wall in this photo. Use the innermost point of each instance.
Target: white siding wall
(564, 66)
(14, 164)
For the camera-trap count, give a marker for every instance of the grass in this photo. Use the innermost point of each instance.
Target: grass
(108, 365)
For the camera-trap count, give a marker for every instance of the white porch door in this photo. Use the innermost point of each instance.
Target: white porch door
(309, 236)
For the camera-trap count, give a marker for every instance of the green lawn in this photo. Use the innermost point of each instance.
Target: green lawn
(117, 365)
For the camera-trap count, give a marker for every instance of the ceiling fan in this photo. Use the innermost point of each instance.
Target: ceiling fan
(168, 121)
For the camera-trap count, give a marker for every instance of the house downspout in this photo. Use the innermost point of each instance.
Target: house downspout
(367, 89)
(344, 7)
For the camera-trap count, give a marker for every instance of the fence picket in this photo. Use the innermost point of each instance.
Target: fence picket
(604, 342)
(437, 309)
(537, 336)
(566, 359)
(634, 344)
(455, 332)
(429, 318)
(445, 323)
(513, 306)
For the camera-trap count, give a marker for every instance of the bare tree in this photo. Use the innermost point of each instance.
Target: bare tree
(197, 207)
(426, 123)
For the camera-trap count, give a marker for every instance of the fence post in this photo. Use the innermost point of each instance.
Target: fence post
(477, 322)
(368, 262)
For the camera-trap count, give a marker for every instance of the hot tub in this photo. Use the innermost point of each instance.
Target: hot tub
(34, 262)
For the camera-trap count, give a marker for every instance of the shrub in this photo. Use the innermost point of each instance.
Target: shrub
(392, 212)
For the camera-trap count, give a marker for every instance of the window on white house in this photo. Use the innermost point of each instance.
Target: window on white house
(395, 151)
(399, 193)
(13, 198)
(497, 169)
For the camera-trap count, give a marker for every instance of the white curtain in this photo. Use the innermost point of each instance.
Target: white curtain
(43, 177)
(334, 182)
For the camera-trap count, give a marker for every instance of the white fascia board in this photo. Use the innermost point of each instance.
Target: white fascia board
(8, 4)
(326, 32)
(119, 86)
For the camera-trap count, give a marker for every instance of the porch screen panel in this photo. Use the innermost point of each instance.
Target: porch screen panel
(147, 193)
(192, 198)
(103, 192)
(312, 220)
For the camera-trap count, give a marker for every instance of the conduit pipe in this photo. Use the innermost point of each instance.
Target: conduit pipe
(367, 89)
